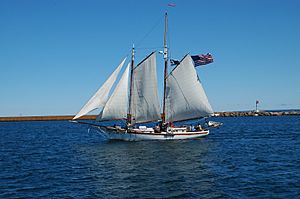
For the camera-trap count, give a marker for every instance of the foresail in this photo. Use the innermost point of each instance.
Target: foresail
(186, 98)
(117, 105)
(145, 105)
(101, 96)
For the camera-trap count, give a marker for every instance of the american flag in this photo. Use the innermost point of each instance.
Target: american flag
(202, 59)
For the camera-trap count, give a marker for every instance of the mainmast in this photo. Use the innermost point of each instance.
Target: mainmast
(129, 116)
(163, 117)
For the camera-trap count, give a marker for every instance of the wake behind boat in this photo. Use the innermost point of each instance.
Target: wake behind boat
(136, 100)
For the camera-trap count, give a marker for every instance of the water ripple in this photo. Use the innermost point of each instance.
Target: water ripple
(248, 157)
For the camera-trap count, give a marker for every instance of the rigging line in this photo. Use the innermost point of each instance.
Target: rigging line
(158, 21)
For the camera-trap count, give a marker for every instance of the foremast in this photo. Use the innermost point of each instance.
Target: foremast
(163, 116)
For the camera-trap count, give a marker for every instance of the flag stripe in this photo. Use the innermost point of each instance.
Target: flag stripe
(202, 59)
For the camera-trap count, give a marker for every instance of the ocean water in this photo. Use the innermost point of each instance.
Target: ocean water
(248, 157)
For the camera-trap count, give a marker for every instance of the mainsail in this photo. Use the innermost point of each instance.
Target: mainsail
(185, 98)
(145, 105)
(101, 96)
(116, 106)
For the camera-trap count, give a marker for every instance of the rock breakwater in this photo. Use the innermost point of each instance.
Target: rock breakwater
(253, 113)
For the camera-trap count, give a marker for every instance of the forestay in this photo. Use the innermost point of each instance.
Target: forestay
(101, 96)
(145, 104)
(117, 105)
(185, 98)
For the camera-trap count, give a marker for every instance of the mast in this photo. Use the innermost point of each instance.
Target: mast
(163, 117)
(129, 116)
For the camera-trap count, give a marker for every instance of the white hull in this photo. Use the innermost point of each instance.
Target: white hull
(113, 134)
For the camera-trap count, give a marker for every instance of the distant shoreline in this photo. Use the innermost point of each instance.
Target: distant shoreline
(254, 113)
(93, 117)
(44, 118)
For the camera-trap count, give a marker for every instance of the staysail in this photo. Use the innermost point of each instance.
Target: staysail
(145, 105)
(101, 96)
(117, 105)
(185, 98)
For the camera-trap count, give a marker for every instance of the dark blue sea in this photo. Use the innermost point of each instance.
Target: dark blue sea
(248, 157)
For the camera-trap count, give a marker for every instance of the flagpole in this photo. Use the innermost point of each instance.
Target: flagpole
(163, 117)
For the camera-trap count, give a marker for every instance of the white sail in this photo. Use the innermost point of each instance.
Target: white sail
(117, 105)
(101, 96)
(186, 98)
(145, 104)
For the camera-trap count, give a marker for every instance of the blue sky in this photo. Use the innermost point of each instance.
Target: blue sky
(55, 54)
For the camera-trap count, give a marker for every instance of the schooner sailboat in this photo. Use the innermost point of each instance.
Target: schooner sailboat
(136, 100)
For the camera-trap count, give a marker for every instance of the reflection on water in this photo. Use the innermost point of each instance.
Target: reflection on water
(151, 168)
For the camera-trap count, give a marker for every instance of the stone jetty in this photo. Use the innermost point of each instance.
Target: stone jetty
(254, 113)
(44, 118)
